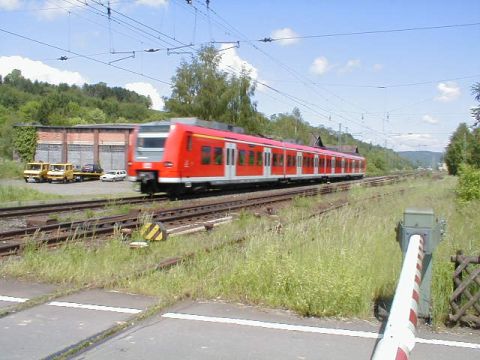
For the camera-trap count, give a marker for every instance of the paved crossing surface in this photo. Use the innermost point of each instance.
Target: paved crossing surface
(194, 330)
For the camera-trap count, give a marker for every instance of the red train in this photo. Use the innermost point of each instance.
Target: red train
(185, 154)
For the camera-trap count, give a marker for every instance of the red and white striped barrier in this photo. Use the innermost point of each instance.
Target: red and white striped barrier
(399, 336)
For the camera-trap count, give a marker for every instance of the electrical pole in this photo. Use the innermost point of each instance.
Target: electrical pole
(339, 135)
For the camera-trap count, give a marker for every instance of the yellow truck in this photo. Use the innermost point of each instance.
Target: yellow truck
(60, 172)
(36, 171)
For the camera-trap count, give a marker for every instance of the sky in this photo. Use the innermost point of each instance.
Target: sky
(397, 73)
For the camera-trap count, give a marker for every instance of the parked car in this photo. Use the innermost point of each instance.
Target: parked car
(92, 168)
(114, 175)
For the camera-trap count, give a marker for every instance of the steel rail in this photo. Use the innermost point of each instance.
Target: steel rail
(13, 240)
(16, 211)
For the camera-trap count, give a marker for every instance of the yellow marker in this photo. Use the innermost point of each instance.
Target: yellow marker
(153, 232)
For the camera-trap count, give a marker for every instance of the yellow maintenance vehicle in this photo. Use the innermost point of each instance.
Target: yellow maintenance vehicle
(60, 172)
(66, 172)
(36, 171)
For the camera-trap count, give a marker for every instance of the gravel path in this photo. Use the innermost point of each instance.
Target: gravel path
(89, 189)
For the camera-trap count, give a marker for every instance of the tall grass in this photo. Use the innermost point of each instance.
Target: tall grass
(10, 193)
(10, 169)
(335, 265)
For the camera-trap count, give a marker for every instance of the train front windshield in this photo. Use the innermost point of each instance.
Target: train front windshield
(151, 142)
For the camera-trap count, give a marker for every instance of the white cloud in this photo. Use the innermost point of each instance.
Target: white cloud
(36, 70)
(350, 66)
(412, 141)
(285, 33)
(56, 8)
(429, 119)
(9, 4)
(147, 89)
(449, 91)
(153, 3)
(231, 62)
(378, 67)
(320, 66)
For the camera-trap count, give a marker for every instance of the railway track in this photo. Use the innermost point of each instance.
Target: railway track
(12, 241)
(18, 211)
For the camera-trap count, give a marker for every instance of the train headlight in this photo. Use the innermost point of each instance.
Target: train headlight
(168, 164)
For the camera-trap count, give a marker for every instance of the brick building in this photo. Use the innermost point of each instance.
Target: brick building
(106, 145)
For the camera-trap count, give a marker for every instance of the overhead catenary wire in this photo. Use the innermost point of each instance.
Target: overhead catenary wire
(369, 32)
(187, 45)
(293, 72)
(84, 56)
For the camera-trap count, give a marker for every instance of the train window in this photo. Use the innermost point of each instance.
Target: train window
(241, 157)
(281, 159)
(218, 155)
(275, 159)
(189, 142)
(157, 143)
(206, 154)
(259, 158)
(251, 157)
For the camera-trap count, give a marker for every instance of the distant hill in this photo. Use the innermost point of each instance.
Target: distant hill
(424, 159)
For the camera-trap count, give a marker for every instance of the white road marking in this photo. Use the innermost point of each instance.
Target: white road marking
(12, 299)
(276, 326)
(448, 343)
(76, 306)
(311, 329)
(95, 307)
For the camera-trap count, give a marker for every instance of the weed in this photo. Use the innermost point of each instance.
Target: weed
(334, 265)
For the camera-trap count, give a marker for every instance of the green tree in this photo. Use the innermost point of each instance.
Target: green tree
(25, 141)
(201, 89)
(29, 111)
(468, 187)
(291, 126)
(476, 110)
(459, 149)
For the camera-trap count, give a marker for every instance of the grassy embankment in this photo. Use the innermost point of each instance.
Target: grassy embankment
(336, 265)
(10, 169)
(16, 195)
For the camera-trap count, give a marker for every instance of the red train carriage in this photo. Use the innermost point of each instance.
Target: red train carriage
(188, 153)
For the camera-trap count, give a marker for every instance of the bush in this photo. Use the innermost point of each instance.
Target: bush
(10, 169)
(468, 187)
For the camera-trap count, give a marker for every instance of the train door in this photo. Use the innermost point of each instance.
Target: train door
(230, 160)
(342, 166)
(299, 163)
(333, 164)
(315, 164)
(267, 162)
